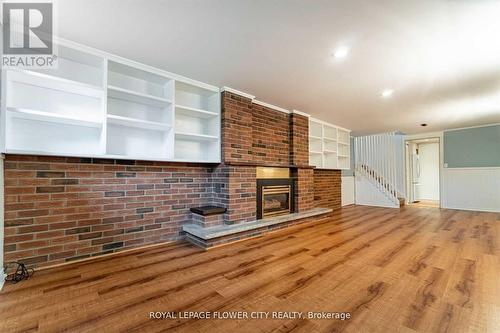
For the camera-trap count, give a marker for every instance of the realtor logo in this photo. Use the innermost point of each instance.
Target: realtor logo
(28, 33)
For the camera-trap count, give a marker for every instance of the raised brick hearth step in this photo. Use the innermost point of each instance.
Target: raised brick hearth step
(220, 234)
(208, 210)
(207, 216)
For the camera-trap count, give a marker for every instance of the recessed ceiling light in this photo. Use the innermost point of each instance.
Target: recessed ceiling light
(341, 52)
(386, 93)
(423, 125)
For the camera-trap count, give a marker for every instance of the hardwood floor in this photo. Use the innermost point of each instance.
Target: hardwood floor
(426, 203)
(408, 270)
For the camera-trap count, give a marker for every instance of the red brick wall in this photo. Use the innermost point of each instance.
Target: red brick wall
(327, 192)
(59, 209)
(253, 133)
(236, 128)
(235, 188)
(242, 206)
(299, 140)
(304, 189)
(270, 136)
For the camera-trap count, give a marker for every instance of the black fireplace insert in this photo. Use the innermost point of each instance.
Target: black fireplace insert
(274, 197)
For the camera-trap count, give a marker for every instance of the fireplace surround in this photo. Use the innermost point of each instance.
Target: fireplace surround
(274, 197)
(275, 192)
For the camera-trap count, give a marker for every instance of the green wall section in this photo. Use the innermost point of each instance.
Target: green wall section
(472, 147)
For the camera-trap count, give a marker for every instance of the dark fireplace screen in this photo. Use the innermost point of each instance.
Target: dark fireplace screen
(274, 197)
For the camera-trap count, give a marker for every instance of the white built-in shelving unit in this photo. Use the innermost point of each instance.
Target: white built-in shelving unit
(329, 145)
(100, 105)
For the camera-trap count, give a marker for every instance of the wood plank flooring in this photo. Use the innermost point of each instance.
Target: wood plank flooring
(394, 270)
(426, 203)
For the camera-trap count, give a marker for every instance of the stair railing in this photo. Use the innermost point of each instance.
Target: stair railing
(380, 158)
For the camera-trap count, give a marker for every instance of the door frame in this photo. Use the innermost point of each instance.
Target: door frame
(423, 136)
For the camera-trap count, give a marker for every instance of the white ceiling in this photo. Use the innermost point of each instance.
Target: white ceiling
(442, 58)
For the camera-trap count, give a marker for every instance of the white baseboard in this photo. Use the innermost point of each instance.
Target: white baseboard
(472, 209)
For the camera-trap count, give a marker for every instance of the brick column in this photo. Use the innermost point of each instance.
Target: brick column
(327, 191)
(299, 140)
(236, 128)
(242, 194)
(235, 188)
(304, 189)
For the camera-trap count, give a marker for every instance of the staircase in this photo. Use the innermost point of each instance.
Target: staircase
(379, 170)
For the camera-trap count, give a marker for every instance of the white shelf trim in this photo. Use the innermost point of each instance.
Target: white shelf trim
(316, 120)
(105, 92)
(52, 117)
(111, 156)
(195, 111)
(331, 145)
(54, 82)
(138, 65)
(137, 97)
(139, 123)
(196, 136)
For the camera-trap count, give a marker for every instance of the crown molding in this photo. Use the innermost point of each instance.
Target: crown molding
(277, 108)
(274, 107)
(316, 120)
(252, 97)
(301, 113)
(468, 127)
(237, 92)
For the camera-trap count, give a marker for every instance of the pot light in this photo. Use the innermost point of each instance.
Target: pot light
(386, 93)
(341, 52)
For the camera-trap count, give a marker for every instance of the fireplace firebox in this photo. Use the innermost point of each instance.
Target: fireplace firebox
(274, 197)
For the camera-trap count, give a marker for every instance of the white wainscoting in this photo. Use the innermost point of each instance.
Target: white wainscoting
(369, 195)
(471, 189)
(347, 190)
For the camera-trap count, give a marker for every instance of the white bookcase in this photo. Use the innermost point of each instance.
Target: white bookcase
(100, 105)
(329, 145)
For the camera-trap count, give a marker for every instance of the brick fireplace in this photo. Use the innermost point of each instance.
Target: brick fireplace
(59, 209)
(256, 136)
